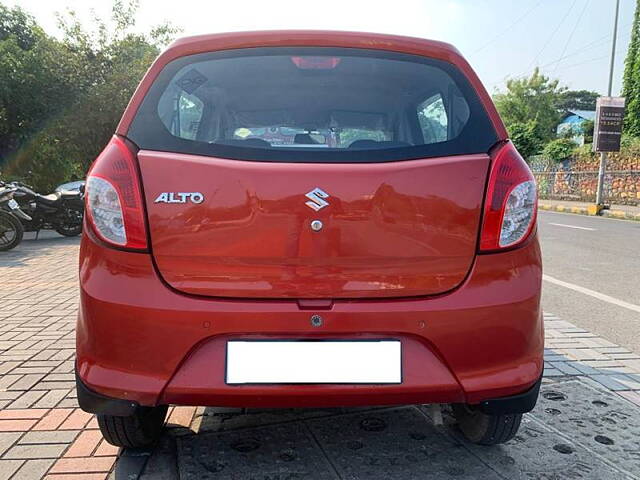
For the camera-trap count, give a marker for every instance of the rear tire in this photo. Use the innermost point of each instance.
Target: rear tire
(11, 231)
(486, 429)
(142, 429)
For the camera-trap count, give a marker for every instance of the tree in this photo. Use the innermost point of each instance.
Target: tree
(588, 127)
(577, 100)
(17, 23)
(559, 149)
(526, 137)
(38, 78)
(631, 78)
(99, 69)
(531, 99)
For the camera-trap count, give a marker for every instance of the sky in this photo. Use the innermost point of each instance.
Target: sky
(568, 39)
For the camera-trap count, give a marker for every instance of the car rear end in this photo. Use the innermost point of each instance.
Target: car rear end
(309, 219)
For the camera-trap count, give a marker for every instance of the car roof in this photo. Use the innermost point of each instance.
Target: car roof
(304, 38)
(325, 38)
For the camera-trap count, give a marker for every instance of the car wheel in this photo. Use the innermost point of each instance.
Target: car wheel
(486, 429)
(142, 429)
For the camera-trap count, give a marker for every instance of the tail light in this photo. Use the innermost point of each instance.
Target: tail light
(511, 205)
(113, 198)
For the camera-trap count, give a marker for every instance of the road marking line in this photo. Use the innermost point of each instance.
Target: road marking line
(572, 226)
(593, 293)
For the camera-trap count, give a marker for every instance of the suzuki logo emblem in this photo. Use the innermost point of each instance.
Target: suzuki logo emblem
(317, 199)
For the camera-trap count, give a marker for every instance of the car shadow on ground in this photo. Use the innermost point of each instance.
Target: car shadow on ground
(579, 429)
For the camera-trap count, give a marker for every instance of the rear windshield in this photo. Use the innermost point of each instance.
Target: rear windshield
(309, 104)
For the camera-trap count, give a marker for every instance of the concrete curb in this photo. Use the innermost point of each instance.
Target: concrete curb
(619, 214)
(563, 208)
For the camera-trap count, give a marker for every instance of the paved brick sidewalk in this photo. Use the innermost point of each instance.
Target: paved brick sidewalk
(44, 435)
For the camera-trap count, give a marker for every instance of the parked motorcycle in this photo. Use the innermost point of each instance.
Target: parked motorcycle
(11, 229)
(62, 211)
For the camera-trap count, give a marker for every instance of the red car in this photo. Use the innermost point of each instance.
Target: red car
(387, 256)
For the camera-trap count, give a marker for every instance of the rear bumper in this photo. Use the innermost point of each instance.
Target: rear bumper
(142, 342)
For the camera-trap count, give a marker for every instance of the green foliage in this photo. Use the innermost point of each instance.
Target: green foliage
(631, 79)
(531, 109)
(585, 150)
(526, 136)
(60, 101)
(37, 78)
(559, 149)
(531, 99)
(630, 145)
(22, 27)
(587, 130)
(577, 100)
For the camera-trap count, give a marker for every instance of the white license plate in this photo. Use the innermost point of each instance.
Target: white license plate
(12, 204)
(324, 361)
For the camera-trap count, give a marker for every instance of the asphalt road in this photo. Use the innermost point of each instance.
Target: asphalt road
(592, 274)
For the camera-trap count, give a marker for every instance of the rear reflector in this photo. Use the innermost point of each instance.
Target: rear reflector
(511, 204)
(113, 198)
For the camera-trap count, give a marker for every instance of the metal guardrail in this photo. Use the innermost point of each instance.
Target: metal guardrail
(620, 187)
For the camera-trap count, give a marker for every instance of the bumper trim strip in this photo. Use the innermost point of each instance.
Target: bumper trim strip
(520, 403)
(94, 402)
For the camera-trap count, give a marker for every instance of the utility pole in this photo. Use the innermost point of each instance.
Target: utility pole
(603, 155)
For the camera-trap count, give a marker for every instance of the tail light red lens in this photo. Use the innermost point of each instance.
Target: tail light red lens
(113, 198)
(511, 205)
